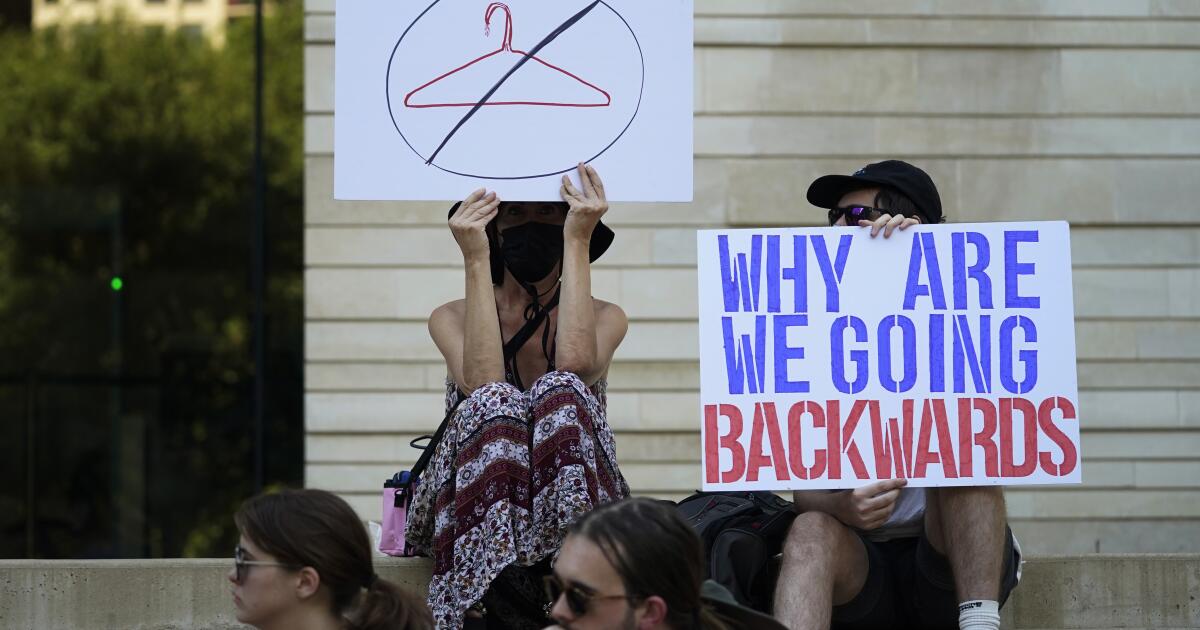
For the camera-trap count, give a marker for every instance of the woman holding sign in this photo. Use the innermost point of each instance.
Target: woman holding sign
(527, 448)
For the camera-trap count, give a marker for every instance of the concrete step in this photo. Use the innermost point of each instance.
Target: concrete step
(1096, 591)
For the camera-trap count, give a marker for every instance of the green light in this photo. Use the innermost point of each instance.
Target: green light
(117, 283)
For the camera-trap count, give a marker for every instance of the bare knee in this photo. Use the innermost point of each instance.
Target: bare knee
(814, 533)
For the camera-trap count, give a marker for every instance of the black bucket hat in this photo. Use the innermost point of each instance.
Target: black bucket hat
(908, 180)
(602, 235)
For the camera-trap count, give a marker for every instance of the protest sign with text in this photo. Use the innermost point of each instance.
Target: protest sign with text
(435, 98)
(944, 355)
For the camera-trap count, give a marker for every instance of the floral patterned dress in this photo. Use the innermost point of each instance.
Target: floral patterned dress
(512, 471)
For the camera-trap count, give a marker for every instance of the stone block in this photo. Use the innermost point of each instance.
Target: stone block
(653, 376)
(1131, 246)
(318, 75)
(1131, 409)
(407, 293)
(346, 412)
(1145, 445)
(1083, 504)
(381, 246)
(1175, 474)
(1041, 537)
(1125, 375)
(948, 8)
(708, 209)
(332, 377)
(1138, 339)
(649, 293)
(318, 29)
(368, 341)
(318, 134)
(660, 341)
(1121, 293)
(1155, 81)
(319, 6)
(1109, 592)
(817, 136)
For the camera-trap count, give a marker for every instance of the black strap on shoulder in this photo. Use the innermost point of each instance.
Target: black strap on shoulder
(511, 347)
(514, 345)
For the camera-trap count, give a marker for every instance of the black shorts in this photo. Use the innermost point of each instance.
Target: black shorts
(910, 585)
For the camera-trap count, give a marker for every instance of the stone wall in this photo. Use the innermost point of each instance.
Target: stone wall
(1022, 110)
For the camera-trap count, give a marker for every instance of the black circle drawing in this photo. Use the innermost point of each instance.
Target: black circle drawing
(566, 168)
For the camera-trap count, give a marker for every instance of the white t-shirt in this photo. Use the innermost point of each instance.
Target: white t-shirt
(907, 519)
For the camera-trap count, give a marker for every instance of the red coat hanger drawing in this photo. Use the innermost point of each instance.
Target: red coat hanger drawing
(593, 96)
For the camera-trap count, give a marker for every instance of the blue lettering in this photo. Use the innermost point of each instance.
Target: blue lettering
(746, 364)
(923, 250)
(783, 352)
(1013, 269)
(977, 271)
(978, 357)
(909, 345)
(858, 357)
(741, 280)
(832, 273)
(1028, 358)
(937, 351)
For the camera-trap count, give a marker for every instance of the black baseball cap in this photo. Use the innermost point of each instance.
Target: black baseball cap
(908, 180)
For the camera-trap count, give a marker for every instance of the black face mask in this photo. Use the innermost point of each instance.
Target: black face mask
(531, 250)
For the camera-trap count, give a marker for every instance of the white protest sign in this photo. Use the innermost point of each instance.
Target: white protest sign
(944, 354)
(436, 98)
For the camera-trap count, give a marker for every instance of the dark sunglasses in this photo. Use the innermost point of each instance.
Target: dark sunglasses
(241, 566)
(578, 600)
(854, 214)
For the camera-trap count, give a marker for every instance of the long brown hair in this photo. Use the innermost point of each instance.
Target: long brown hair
(655, 552)
(315, 528)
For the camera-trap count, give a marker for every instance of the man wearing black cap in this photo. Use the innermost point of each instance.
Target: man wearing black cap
(886, 556)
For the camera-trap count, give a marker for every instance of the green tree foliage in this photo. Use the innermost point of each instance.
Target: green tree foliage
(126, 151)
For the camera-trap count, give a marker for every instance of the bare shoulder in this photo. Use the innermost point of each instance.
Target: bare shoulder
(607, 309)
(610, 315)
(448, 314)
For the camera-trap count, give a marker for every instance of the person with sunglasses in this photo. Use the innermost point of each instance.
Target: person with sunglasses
(883, 555)
(303, 561)
(637, 564)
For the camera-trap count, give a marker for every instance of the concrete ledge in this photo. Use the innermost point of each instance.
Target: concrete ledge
(1109, 591)
(1096, 591)
(139, 594)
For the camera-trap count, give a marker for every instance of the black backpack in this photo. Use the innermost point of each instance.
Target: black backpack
(742, 534)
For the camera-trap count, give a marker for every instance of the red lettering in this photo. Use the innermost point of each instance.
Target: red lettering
(883, 448)
(1060, 439)
(713, 442)
(796, 456)
(902, 441)
(833, 436)
(765, 416)
(847, 435)
(933, 417)
(1008, 468)
(984, 439)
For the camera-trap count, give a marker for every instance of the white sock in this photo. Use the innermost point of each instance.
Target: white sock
(979, 614)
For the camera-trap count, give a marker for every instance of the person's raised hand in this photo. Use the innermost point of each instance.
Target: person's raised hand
(587, 204)
(889, 223)
(868, 507)
(469, 223)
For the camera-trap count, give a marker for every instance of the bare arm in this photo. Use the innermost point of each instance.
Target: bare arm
(468, 334)
(866, 508)
(588, 334)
